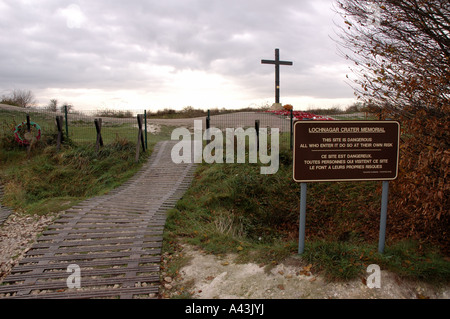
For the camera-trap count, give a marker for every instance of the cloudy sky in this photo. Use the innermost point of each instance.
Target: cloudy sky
(151, 54)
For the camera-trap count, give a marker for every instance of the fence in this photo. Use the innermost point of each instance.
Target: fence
(283, 120)
(80, 127)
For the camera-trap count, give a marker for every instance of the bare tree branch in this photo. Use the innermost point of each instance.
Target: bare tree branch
(401, 56)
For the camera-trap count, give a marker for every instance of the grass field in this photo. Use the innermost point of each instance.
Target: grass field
(48, 180)
(81, 128)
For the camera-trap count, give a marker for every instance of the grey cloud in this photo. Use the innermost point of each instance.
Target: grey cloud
(38, 49)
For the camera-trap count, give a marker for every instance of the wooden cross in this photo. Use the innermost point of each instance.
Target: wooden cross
(277, 63)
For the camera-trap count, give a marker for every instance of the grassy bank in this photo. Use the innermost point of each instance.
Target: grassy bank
(48, 180)
(232, 208)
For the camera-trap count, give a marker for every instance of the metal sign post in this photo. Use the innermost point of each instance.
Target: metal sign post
(345, 151)
(383, 216)
(301, 231)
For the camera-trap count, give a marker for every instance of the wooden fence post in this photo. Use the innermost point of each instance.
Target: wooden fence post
(291, 130)
(67, 123)
(28, 123)
(140, 141)
(98, 127)
(59, 120)
(208, 126)
(257, 134)
(145, 128)
(28, 134)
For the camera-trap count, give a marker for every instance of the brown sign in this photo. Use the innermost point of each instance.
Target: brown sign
(345, 150)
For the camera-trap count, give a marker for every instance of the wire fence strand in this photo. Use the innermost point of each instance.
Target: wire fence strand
(80, 126)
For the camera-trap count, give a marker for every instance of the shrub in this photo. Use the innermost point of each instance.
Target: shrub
(421, 195)
(21, 98)
(114, 113)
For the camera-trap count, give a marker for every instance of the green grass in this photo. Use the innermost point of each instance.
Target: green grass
(9, 119)
(87, 133)
(232, 208)
(81, 130)
(343, 260)
(50, 181)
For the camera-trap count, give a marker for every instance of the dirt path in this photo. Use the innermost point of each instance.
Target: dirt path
(209, 277)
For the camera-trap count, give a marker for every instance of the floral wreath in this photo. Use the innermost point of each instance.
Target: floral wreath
(20, 139)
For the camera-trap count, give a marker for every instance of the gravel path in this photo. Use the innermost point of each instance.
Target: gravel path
(17, 235)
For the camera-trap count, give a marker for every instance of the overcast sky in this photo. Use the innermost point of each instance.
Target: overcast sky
(150, 54)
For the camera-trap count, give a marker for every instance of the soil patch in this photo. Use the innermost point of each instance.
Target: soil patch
(208, 276)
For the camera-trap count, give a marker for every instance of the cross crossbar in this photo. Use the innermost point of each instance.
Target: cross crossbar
(277, 62)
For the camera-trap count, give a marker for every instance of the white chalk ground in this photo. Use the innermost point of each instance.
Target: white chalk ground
(154, 129)
(209, 277)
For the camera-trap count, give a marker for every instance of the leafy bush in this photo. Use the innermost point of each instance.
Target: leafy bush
(421, 196)
(8, 101)
(21, 98)
(402, 69)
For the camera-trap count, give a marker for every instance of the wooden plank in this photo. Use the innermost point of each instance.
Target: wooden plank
(92, 294)
(118, 235)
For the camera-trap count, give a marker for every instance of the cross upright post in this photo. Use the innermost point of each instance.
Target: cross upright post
(277, 63)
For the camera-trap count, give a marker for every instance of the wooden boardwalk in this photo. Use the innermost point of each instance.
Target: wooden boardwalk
(114, 239)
